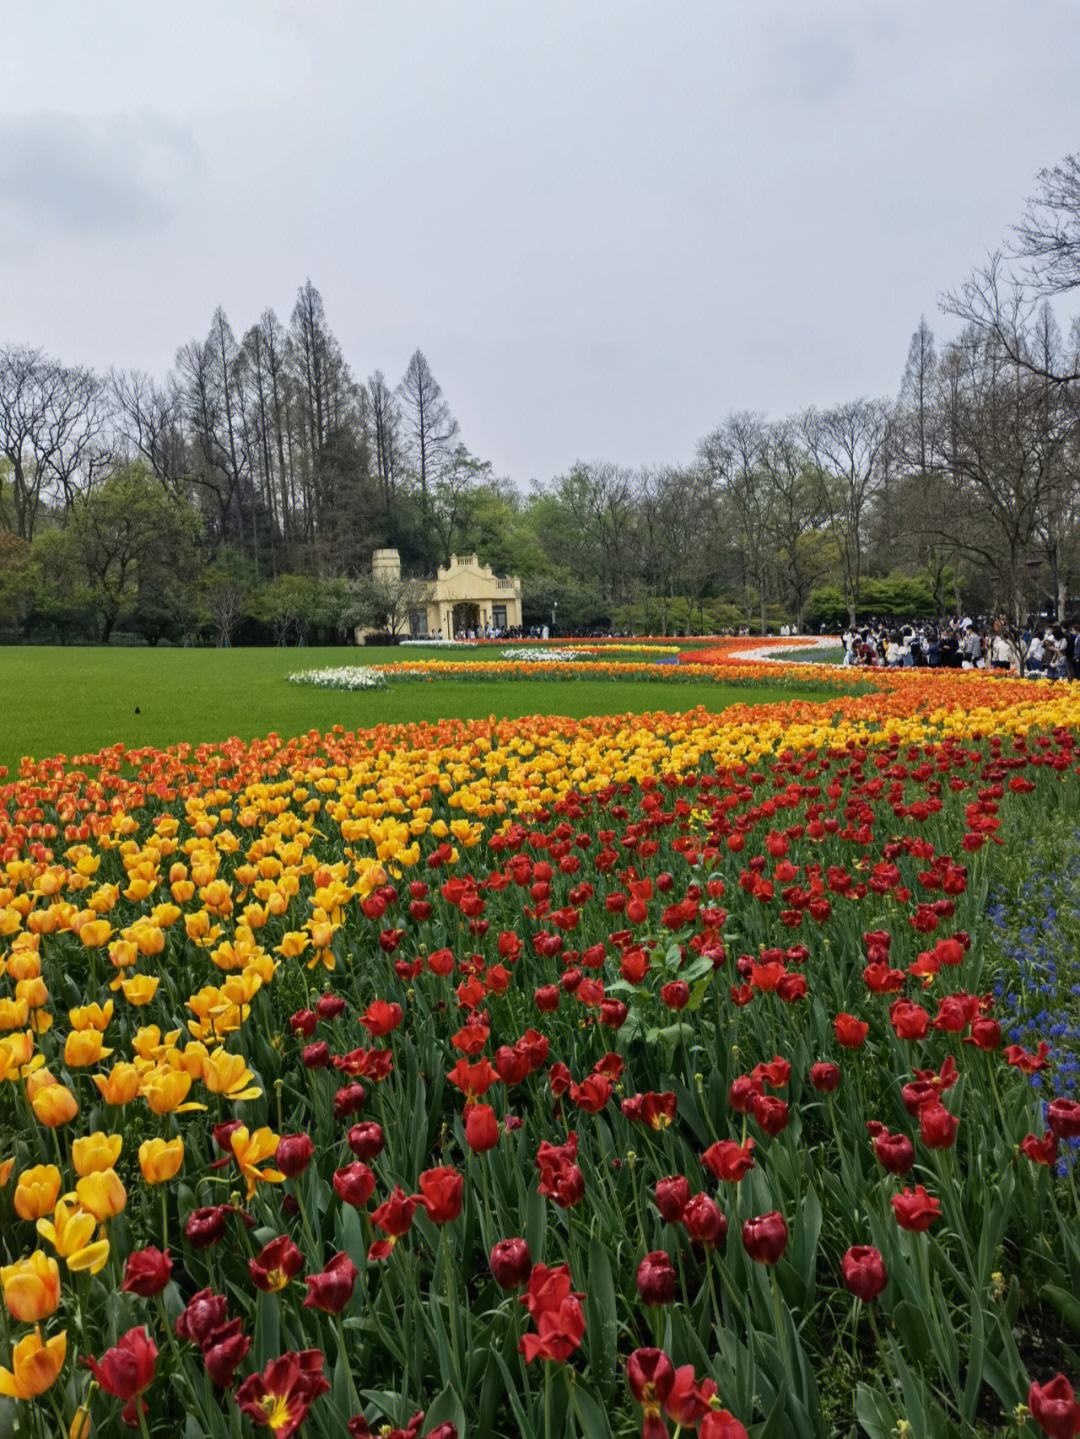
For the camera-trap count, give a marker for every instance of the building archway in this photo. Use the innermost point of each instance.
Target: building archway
(466, 617)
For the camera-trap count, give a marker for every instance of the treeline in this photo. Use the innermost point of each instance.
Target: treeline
(243, 495)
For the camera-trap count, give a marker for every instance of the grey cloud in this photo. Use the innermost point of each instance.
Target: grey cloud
(70, 176)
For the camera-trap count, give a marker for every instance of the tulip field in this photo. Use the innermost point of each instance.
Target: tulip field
(659, 1074)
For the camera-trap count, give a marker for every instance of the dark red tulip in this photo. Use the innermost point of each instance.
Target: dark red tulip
(225, 1352)
(825, 1077)
(511, 1263)
(331, 1289)
(765, 1237)
(705, 1221)
(276, 1264)
(864, 1272)
(205, 1312)
(126, 1370)
(366, 1140)
(656, 1278)
(671, 1196)
(293, 1154)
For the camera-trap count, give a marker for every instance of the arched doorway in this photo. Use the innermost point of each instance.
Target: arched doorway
(466, 617)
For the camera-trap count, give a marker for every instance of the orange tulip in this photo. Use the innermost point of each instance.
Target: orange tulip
(31, 1287)
(83, 1047)
(36, 1364)
(120, 1085)
(55, 1105)
(37, 1191)
(93, 1152)
(160, 1159)
(102, 1194)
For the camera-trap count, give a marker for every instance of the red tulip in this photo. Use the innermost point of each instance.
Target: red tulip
(329, 1006)
(441, 1193)
(656, 1278)
(728, 1160)
(937, 1127)
(915, 1210)
(293, 1154)
(366, 1140)
(1054, 1408)
(895, 1152)
(1063, 1118)
(765, 1237)
(688, 1401)
(1040, 1151)
(350, 1099)
(705, 1221)
(825, 1077)
(720, 1424)
(276, 1264)
(650, 1375)
(331, 1289)
(671, 1196)
(394, 1217)
(282, 1395)
(225, 1352)
(850, 1032)
(511, 1263)
(205, 1312)
(126, 1370)
(864, 1272)
(481, 1128)
(355, 1184)
(146, 1272)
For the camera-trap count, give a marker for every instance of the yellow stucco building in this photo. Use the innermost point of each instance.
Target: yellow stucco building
(465, 596)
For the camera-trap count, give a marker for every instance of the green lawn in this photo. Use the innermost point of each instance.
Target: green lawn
(74, 701)
(819, 657)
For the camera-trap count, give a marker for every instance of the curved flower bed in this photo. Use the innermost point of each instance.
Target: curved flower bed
(546, 1077)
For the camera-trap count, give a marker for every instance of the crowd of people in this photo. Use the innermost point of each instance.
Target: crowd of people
(1048, 650)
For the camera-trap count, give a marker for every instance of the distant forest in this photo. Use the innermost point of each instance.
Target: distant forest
(241, 497)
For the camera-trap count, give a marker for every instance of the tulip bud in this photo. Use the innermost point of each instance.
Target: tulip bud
(656, 1278)
(293, 1154)
(511, 1263)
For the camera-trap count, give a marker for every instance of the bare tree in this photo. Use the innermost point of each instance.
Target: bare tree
(1049, 233)
(149, 421)
(386, 430)
(430, 424)
(52, 422)
(847, 446)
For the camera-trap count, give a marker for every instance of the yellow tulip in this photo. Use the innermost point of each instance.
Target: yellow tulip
(93, 1152)
(91, 1016)
(102, 1194)
(69, 1232)
(139, 989)
(83, 1047)
(160, 1159)
(16, 1052)
(34, 991)
(55, 1105)
(250, 1150)
(166, 1090)
(38, 1080)
(14, 1013)
(36, 1364)
(163, 916)
(6, 1166)
(36, 1191)
(149, 1043)
(123, 953)
(81, 1427)
(24, 963)
(94, 933)
(120, 1086)
(227, 1074)
(31, 1287)
(148, 938)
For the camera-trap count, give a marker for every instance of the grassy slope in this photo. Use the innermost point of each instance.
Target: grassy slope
(74, 701)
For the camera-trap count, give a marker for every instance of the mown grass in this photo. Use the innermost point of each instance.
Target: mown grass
(74, 701)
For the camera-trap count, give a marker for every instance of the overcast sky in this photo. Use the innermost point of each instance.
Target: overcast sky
(606, 224)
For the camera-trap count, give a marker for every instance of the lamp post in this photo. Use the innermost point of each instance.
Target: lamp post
(554, 614)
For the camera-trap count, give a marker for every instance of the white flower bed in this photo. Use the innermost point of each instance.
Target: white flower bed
(435, 644)
(347, 677)
(544, 656)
